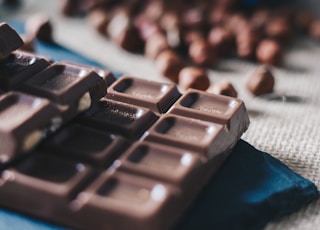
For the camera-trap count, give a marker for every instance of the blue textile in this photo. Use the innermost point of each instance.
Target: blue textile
(251, 189)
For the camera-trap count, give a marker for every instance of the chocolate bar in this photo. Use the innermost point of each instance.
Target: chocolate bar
(85, 150)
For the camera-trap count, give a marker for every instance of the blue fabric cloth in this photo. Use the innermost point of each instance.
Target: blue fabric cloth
(251, 189)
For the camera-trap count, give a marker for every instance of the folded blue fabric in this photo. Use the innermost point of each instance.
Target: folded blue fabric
(251, 189)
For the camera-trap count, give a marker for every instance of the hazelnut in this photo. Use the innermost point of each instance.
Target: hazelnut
(315, 30)
(193, 77)
(155, 45)
(202, 54)
(269, 52)
(169, 63)
(261, 81)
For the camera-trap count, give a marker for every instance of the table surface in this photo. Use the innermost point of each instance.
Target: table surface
(286, 125)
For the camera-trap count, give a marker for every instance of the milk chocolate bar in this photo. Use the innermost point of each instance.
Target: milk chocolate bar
(84, 150)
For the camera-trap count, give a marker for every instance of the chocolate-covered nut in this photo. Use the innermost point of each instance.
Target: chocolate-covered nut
(155, 45)
(223, 88)
(193, 77)
(39, 26)
(315, 30)
(222, 39)
(260, 81)
(202, 54)
(9, 40)
(269, 52)
(99, 19)
(169, 63)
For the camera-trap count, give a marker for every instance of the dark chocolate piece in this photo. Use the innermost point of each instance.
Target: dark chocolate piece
(9, 40)
(153, 95)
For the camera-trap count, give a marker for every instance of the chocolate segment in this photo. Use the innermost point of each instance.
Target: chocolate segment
(153, 95)
(208, 139)
(226, 111)
(85, 143)
(107, 75)
(43, 184)
(19, 67)
(125, 119)
(115, 197)
(161, 162)
(9, 40)
(67, 84)
(24, 122)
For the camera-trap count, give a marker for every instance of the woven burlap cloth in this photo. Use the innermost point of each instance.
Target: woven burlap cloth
(285, 124)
